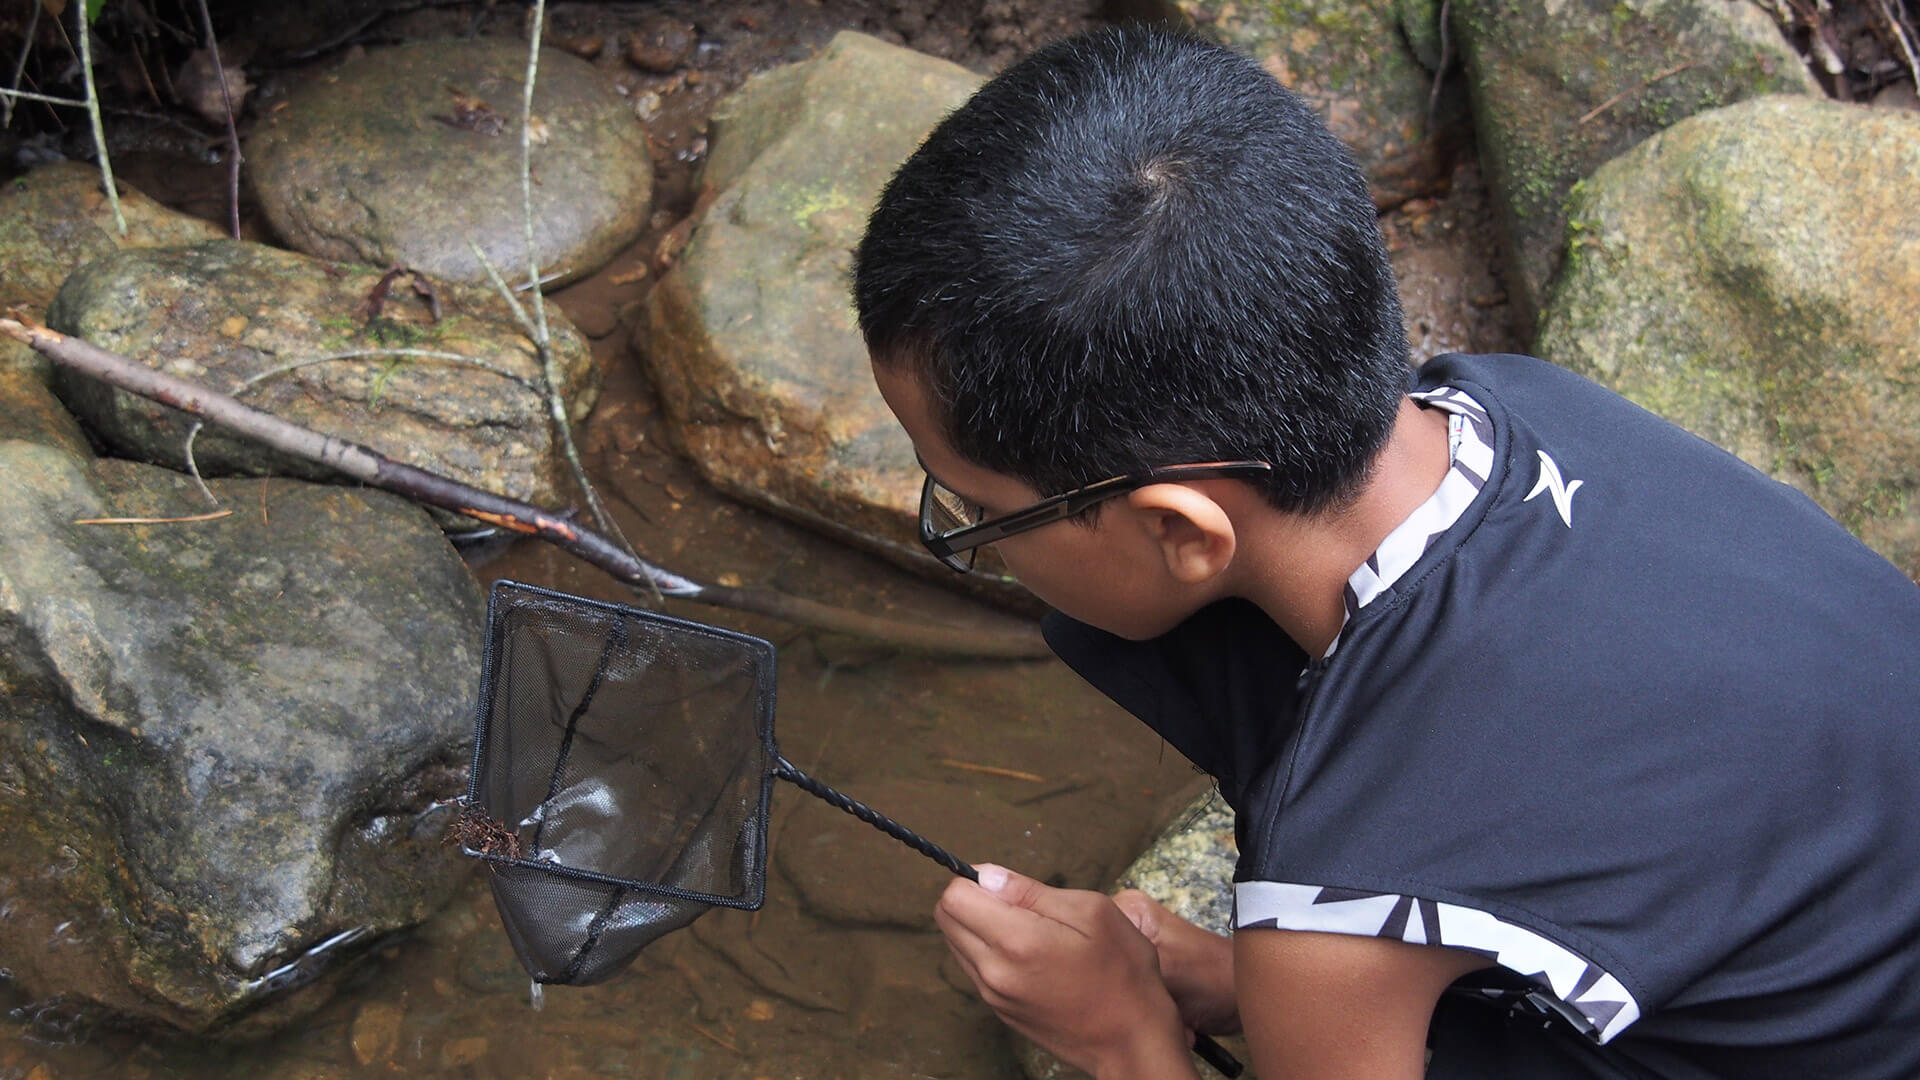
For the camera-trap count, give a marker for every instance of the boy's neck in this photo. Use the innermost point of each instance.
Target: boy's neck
(1299, 566)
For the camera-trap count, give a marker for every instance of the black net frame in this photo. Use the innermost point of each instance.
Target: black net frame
(594, 850)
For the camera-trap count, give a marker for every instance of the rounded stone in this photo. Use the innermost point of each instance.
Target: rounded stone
(405, 154)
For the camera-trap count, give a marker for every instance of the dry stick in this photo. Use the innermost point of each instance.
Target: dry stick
(20, 66)
(415, 483)
(526, 181)
(233, 135)
(1900, 35)
(93, 114)
(248, 383)
(28, 95)
(1615, 99)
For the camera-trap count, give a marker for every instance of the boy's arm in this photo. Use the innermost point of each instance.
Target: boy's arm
(1339, 1006)
(1070, 970)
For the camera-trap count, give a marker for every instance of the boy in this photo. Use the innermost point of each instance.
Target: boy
(1560, 742)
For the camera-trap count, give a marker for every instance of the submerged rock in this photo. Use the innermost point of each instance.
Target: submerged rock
(1350, 60)
(751, 338)
(1559, 88)
(226, 745)
(406, 154)
(1753, 274)
(228, 312)
(56, 218)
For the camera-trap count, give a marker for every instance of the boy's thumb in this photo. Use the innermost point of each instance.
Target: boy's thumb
(1016, 889)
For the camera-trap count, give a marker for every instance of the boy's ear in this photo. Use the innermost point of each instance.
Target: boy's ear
(1194, 533)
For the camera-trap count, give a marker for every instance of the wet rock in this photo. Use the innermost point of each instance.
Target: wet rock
(405, 154)
(29, 411)
(827, 854)
(376, 1029)
(661, 44)
(226, 312)
(55, 218)
(751, 337)
(1189, 868)
(1350, 61)
(224, 744)
(1560, 88)
(1753, 273)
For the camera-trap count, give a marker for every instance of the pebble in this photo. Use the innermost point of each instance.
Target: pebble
(375, 1031)
(661, 44)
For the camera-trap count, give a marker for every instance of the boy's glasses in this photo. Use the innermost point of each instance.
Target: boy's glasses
(952, 528)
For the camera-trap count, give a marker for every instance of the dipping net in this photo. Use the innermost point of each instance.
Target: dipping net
(621, 775)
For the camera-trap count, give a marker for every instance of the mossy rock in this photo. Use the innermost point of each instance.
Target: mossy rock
(1753, 274)
(244, 318)
(1560, 88)
(1354, 64)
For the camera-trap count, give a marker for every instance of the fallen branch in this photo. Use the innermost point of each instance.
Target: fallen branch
(20, 67)
(376, 470)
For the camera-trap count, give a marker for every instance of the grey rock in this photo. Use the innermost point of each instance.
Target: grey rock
(224, 744)
(55, 218)
(227, 312)
(405, 154)
(751, 337)
(1560, 88)
(1753, 274)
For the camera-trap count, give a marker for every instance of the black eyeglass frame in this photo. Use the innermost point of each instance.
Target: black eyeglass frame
(955, 547)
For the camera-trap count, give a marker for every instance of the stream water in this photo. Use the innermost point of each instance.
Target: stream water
(841, 973)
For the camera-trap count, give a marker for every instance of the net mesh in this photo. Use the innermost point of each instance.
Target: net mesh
(623, 762)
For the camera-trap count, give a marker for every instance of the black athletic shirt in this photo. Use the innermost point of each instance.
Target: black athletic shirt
(1643, 727)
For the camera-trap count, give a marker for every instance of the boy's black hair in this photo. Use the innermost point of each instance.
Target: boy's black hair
(1133, 249)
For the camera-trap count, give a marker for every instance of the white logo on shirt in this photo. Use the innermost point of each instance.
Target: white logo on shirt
(1551, 483)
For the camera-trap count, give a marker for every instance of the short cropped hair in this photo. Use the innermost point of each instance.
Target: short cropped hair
(1135, 249)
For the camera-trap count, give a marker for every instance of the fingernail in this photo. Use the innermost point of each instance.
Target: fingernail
(992, 878)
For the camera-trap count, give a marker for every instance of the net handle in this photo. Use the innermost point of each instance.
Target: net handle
(1209, 1051)
(788, 771)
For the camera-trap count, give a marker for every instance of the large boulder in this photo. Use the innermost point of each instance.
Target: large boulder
(55, 218)
(407, 153)
(227, 312)
(1753, 273)
(227, 745)
(751, 338)
(1559, 88)
(1352, 62)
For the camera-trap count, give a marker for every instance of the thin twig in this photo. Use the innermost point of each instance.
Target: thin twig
(1616, 99)
(1440, 69)
(526, 175)
(557, 411)
(1900, 35)
(152, 520)
(993, 770)
(233, 135)
(93, 114)
(376, 470)
(714, 1037)
(20, 66)
(28, 95)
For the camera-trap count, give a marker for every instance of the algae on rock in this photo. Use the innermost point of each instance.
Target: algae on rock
(1753, 274)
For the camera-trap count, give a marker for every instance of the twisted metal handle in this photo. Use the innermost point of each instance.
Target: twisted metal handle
(786, 770)
(1211, 1052)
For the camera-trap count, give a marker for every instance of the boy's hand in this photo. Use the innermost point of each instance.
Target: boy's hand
(1067, 969)
(1195, 964)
